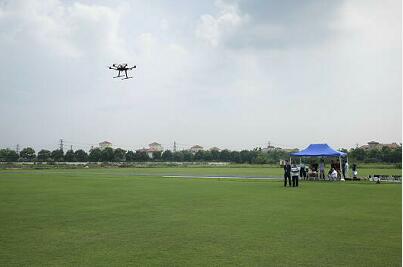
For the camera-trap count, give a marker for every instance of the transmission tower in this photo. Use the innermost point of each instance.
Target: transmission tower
(174, 146)
(61, 144)
(17, 149)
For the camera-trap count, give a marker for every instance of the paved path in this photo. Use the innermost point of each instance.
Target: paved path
(223, 177)
(164, 175)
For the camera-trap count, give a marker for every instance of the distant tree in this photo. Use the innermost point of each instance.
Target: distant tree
(80, 155)
(207, 155)
(130, 156)
(156, 155)
(245, 156)
(178, 156)
(215, 155)
(70, 156)
(141, 156)
(235, 157)
(8, 155)
(95, 155)
(57, 155)
(107, 154)
(199, 156)
(357, 154)
(187, 156)
(225, 155)
(372, 155)
(396, 155)
(274, 156)
(44, 155)
(167, 155)
(260, 158)
(119, 155)
(27, 154)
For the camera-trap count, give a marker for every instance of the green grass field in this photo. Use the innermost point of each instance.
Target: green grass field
(119, 217)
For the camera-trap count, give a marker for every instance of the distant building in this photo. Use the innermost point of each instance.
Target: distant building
(105, 144)
(196, 148)
(153, 147)
(376, 145)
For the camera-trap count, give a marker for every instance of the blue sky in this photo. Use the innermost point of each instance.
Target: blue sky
(231, 74)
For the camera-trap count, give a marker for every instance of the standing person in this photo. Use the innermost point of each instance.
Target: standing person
(294, 175)
(343, 169)
(346, 168)
(322, 169)
(354, 169)
(302, 172)
(287, 173)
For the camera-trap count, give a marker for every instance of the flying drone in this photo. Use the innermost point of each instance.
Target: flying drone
(120, 68)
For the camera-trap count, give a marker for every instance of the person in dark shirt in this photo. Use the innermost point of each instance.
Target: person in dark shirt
(287, 173)
(355, 172)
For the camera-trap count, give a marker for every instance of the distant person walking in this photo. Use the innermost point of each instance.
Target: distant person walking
(287, 173)
(322, 170)
(346, 169)
(294, 175)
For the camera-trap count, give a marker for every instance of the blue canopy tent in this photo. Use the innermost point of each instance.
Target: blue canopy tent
(320, 150)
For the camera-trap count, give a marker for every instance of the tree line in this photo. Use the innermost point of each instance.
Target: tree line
(255, 156)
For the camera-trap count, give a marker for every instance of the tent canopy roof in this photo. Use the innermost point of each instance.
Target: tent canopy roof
(319, 150)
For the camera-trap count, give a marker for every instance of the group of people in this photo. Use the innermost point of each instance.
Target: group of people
(292, 172)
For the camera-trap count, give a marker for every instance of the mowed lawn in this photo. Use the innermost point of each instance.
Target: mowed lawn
(109, 217)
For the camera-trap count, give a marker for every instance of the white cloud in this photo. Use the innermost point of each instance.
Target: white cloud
(76, 30)
(215, 29)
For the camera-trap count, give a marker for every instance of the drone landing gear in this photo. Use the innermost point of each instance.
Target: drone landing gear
(117, 76)
(127, 78)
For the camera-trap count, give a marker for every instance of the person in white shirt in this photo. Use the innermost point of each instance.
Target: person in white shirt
(294, 175)
(333, 175)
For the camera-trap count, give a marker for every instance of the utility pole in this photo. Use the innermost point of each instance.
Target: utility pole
(18, 149)
(61, 144)
(174, 146)
(71, 147)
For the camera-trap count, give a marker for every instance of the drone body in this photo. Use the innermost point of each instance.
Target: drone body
(121, 68)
